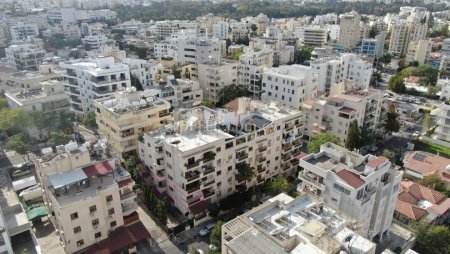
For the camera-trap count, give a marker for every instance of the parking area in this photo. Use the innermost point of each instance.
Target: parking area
(47, 238)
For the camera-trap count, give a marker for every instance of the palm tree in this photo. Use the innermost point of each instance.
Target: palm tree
(246, 172)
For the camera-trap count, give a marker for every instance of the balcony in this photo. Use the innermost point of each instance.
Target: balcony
(163, 114)
(209, 156)
(208, 169)
(126, 134)
(127, 195)
(208, 182)
(241, 156)
(207, 193)
(192, 165)
(261, 169)
(192, 200)
(289, 127)
(129, 208)
(313, 179)
(195, 186)
(192, 175)
(287, 147)
(262, 149)
(286, 166)
(261, 159)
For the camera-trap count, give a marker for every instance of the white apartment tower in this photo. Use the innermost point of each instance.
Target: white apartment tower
(220, 30)
(443, 123)
(87, 200)
(347, 67)
(350, 30)
(21, 31)
(252, 64)
(402, 33)
(289, 85)
(215, 75)
(90, 79)
(197, 159)
(364, 188)
(24, 56)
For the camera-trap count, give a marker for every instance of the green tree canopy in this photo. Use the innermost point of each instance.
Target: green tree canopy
(392, 155)
(136, 82)
(20, 143)
(59, 137)
(397, 84)
(320, 139)
(216, 234)
(89, 120)
(238, 54)
(432, 239)
(353, 136)
(14, 121)
(426, 121)
(391, 123)
(230, 93)
(277, 185)
(132, 164)
(303, 55)
(3, 102)
(434, 182)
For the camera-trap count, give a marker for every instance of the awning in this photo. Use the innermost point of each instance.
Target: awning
(98, 169)
(198, 207)
(36, 211)
(59, 180)
(119, 239)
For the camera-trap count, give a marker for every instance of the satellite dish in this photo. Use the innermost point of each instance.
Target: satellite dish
(143, 102)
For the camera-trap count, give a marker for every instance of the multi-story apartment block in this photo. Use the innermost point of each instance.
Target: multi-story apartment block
(197, 159)
(446, 47)
(402, 33)
(5, 243)
(21, 31)
(28, 79)
(220, 30)
(24, 56)
(200, 50)
(287, 225)
(347, 67)
(90, 79)
(62, 14)
(349, 30)
(289, 85)
(208, 24)
(124, 116)
(252, 64)
(364, 188)
(180, 93)
(443, 123)
(445, 67)
(283, 50)
(215, 75)
(374, 47)
(445, 89)
(142, 69)
(335, 113)
(418, 51)
(47, 96)
(96, 42)
(312, 35)
(239, 30)
(164, 29)
(89, 201)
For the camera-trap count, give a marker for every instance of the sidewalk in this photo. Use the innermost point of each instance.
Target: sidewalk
(158, 236)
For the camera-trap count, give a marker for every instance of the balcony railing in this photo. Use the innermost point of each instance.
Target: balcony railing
(241, 156)
(192, 165)
(261, 159)
(207, 169)
(192, 188)
(261, 169)
(192, 175)
(262, 149)
(287, 147)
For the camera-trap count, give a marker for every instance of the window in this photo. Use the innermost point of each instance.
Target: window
(74, 216)
(218, 149)
(93, 209)
(95, 222)
(112, 224)
(111, 211)
(109, 198)
(98, 234)
(80, 243)
(77, 230)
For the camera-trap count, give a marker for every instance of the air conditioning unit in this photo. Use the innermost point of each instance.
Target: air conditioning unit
(96, 226)
(109, 202)
(92, 213)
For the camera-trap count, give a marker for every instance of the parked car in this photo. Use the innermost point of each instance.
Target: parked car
(206, 230)
(213, 247)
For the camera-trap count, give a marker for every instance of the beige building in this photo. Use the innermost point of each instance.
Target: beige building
(286, 225)
(89, 201)
(312, 35)
(364, 188)
(349, 30)
(336, 112)
(418, 51)
(252, 64)
(402, 33)
(443, 123)
(124, 116)
(196, 160)
(215, 75)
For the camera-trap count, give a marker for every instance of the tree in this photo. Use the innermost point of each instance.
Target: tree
(396, 84)
(228, 44)
(208, 102)
(431, 239)
(393, 156)
(391, 123)
(434, 182)
(89, 120)
(216, 234)
(373, 32)
(3, 103)
(132, 165)
(353, 137)
(253, 28)
(386, 59)
(304, 55)
(59, 138)
(136, 82)
(238, 54)
(19, 143)
(230, 93)
(401, 65)
(246, 172)
(426, 122)
(13, 121)
(278, 185)
(320, 139)
(367, 136)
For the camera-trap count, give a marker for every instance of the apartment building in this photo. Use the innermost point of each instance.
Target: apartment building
(46, 96)
(252, 64)
(14, 80)
(164, 29)
(374, 47)
(89, 201)
(239, 30)
(283, 50)
(143, 70)
(418, 51)
(287, 225)
(445, 89)
(215, 75)
(208, 22)
(166, 68)
(446, 47)
(402, 33)
(90, 79)
(96, 42)
(200, 50)
(364, 188)
(21, 31)
(315, 36)
(349, 30)
(180, 93)
(332, 70)
(5, 243)
(445, 67)
(196, 160)
(220, 30)
(124, 116)
(24, 56)
(289, 85)
(336, 112)
(443, 122)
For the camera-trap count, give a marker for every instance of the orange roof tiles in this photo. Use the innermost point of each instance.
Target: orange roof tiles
(377, 162)
(409, 211)
(427, 164)
(350, 178)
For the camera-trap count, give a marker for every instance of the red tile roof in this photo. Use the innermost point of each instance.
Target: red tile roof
(98, 169)
(350, 178)
(119, 239)
(233, 105)
(422, 192)
(427, 164)
(125, 182)
(377, 162)
(410, 211)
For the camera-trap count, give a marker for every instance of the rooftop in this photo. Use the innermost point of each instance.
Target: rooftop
(427, 164)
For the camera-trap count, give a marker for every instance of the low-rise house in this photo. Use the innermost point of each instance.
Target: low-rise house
(420, 164)
(419, 203)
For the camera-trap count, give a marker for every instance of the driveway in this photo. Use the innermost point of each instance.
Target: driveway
(47, 238)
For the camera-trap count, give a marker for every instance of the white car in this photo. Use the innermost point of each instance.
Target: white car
(213, 247)
(416, 134)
